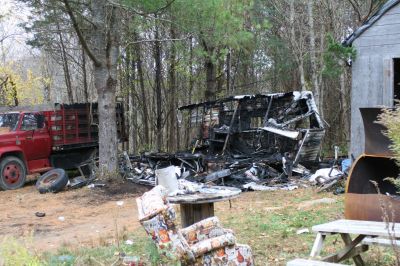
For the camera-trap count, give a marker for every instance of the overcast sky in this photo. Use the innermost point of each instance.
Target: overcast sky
(13, 47)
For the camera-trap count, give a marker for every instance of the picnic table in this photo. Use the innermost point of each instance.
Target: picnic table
(200, 205)
(352, 247)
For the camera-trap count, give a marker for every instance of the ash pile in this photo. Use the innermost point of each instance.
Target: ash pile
(255, 142)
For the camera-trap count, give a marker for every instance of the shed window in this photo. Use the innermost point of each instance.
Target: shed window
(396, 79)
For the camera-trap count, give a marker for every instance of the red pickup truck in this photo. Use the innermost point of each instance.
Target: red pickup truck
(62, 136)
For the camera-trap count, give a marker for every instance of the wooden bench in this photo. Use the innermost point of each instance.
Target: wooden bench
(304, 262)
(374, 231)
(380, 242)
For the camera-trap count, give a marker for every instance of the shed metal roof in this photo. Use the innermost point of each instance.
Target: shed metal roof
(369, 22)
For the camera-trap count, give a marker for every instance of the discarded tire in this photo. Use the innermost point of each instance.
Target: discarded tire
(52, 181)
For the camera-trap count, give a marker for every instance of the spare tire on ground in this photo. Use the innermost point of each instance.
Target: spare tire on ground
(54, 181)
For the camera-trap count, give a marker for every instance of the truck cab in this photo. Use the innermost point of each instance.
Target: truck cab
(34, 139)
(25, 147)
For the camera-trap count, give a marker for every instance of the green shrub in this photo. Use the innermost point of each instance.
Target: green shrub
(14, 253)
(390, 118)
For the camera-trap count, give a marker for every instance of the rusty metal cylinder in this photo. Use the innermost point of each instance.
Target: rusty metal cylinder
(367, 177)
(369, 196)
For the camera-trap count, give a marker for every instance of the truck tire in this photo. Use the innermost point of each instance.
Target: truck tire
(12, 173)
(52, 181)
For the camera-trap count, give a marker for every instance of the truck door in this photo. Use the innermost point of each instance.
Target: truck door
(36, 139)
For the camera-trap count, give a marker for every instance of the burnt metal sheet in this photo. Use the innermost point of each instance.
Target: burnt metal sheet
(260, 125)
(291, 134)
(241, 139)
(310, 146)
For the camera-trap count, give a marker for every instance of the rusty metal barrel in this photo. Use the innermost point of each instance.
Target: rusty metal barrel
(368, 195)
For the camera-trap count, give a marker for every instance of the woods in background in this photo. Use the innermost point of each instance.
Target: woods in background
(175, 52)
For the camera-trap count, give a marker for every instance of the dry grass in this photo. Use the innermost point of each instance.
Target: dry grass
(267, 221)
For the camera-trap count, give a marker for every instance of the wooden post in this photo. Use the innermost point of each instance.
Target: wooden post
(318, 244)
(193, 213)
(230, 128)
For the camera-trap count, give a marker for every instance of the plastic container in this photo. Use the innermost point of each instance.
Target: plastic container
(166, 177)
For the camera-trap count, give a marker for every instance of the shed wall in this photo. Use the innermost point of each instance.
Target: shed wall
(372, 71)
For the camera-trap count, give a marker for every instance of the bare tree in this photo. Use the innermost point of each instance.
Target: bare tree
(101, 46)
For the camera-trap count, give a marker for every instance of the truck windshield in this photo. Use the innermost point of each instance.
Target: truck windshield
(9, 120)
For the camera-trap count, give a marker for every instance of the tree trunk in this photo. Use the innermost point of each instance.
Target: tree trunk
(211, 79)
(191, 72)
(131, 102)
(84, 77)
(145, 118)
(313, 59)
(294, 42)
(105, 81)
(14, 93)
(301, 72)
(132, 123)
(101, 46)
(190, 92)
(67, 75)
(158, 91)
(345, 112)
(228, 73)
(220, 77)
(173, 126)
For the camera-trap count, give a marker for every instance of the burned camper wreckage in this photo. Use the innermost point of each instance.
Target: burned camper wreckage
(243, 141)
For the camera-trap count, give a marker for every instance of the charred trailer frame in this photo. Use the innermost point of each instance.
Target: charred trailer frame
(367, 176)
(266, 126)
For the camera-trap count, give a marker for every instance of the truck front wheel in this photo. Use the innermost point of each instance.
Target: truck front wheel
(13, 173)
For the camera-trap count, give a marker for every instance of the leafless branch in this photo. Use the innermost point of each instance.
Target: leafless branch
(356, 9)
(80, 34)
(8, 36)
(157, 40)
(144, 14)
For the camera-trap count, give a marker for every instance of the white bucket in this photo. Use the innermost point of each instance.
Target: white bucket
(166, 177)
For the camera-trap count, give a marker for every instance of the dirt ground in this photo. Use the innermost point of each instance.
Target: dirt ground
(76, 217)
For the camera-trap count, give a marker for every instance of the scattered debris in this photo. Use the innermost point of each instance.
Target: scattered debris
(256, 187)
(325, 175)
(261, 142)
(61, 218)
(129, 242)
(252, 142)
(77, 182)
(96, 185)
(346, 164)
(339, 190)
(302, 231)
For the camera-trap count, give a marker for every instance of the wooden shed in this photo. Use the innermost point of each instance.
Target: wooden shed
(376, 69)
